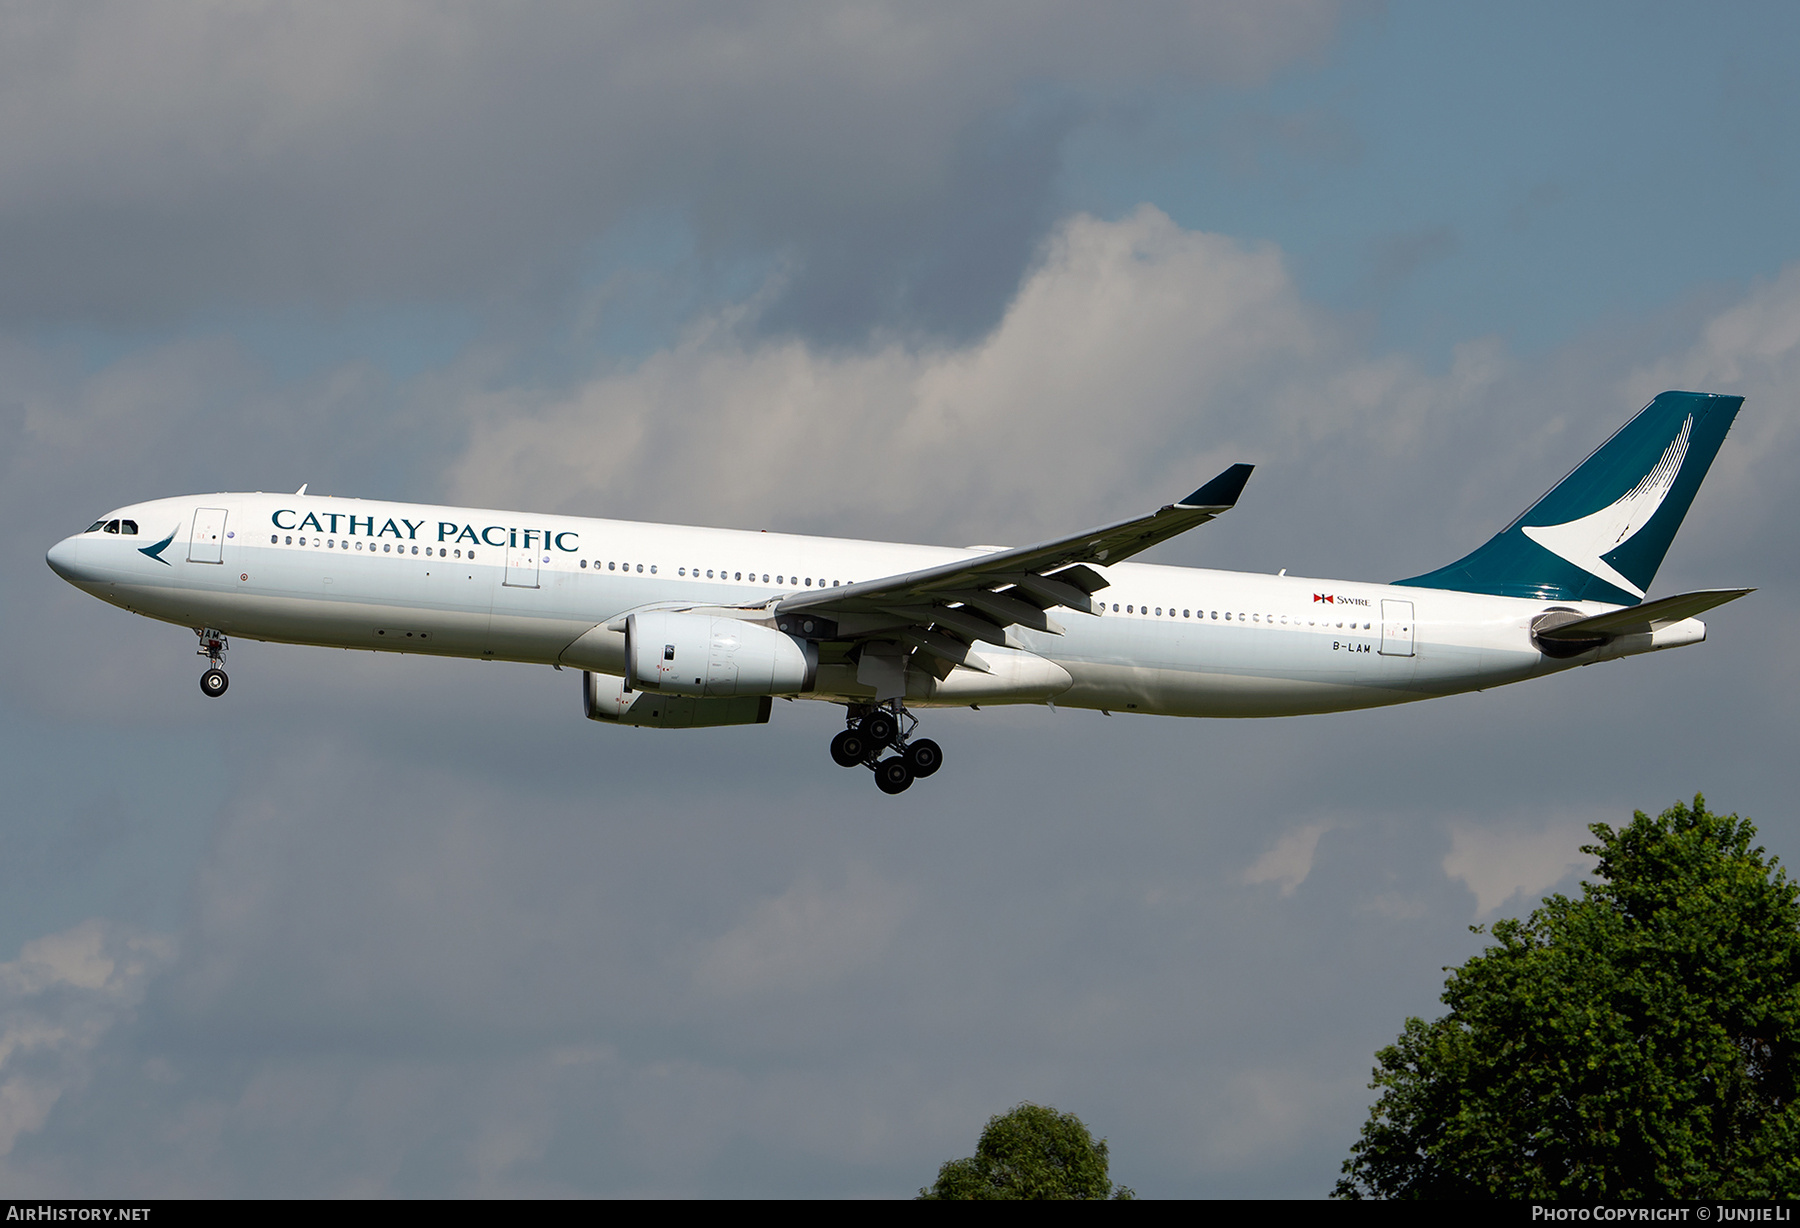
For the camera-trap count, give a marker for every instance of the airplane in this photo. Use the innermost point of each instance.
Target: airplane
(677, 627)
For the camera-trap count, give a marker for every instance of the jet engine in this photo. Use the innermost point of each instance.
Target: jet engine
(703, 655)
(604, 697)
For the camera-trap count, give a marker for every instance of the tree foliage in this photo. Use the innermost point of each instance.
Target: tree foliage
(1639, 1042)
(1031, 1152)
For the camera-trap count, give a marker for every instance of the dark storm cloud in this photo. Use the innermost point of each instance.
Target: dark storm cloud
(157, 161)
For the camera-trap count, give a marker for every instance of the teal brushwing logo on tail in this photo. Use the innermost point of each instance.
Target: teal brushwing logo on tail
(1583, 542)
(1601, 533)
(155, 551)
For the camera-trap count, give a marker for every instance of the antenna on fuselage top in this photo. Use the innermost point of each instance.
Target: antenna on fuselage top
(303, 487)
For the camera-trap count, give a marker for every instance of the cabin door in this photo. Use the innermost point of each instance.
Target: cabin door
(208, 543)
(1396, 628)
(521, 568)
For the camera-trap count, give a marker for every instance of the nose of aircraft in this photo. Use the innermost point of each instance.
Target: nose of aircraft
(65, 560)
(62, 558)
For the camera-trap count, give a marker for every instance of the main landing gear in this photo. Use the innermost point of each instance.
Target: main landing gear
(873, 730)
(213, 646)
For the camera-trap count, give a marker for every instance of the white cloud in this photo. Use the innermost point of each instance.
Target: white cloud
(1289, 860)
(57, 1000)
(1136, 352)
(806, 936)
(1749, 342)
(1500, 863)
(1264, 1111)
(1752, 349)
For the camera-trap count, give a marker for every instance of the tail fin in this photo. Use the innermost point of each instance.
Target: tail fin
(1601, 533)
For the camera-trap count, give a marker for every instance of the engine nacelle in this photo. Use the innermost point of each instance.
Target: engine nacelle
(705, 656)
(604, 698)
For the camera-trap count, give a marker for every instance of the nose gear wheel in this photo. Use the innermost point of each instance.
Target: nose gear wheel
(213, 646)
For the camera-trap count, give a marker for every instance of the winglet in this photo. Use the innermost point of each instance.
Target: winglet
(1222, 491)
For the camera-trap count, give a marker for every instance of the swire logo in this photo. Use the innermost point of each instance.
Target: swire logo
(1322, 597)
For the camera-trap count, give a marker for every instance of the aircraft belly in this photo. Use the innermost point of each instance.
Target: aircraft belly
(1459, 668)
(1271, 671)
(1192, 692)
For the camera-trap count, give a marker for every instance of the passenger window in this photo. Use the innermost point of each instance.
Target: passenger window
(640, 567)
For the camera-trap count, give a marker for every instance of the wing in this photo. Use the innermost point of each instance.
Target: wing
(944, 611)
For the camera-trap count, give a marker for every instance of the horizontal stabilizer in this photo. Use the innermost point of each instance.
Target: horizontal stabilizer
(1641, 619)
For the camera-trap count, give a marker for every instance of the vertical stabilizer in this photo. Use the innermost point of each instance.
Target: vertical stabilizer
(1601, 533)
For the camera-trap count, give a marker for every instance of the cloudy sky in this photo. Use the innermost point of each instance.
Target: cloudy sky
(934, 272)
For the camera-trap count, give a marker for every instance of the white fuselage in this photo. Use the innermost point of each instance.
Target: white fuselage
(515, 586)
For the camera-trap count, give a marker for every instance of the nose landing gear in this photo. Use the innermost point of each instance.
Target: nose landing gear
(873, 730)
(213, 646)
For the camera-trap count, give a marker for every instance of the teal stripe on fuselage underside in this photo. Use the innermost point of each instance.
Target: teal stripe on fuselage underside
(1601, 533)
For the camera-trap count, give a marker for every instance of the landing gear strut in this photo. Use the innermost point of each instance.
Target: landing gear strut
(213, 646)
(877, 728)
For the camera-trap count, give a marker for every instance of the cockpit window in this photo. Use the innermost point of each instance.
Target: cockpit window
(96, 526)
(112, 526)
(128, 528)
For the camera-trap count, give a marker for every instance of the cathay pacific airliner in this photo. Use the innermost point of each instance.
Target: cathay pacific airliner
(674, 627)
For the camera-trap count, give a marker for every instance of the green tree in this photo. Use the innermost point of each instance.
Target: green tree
(1031, 1152)
(1639, 1042)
